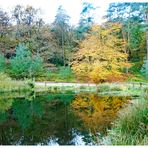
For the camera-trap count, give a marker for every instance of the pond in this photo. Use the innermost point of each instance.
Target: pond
(57, 119)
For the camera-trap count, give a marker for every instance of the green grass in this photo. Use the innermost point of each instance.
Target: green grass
(63, 74)
(131, 128)
(130, 89)
(137, 77)
(9, 85)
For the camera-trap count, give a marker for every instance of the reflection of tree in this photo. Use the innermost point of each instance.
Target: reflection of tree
(3, 117)
(5, 104)
(97, 112)
(24, 110)
(38, 121)
(50, 118)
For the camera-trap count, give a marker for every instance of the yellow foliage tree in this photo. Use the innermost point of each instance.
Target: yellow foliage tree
(97, 112)
(101, 55)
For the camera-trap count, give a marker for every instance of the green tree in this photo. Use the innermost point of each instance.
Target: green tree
(132, 16)
(24, 64)
(4, 22)
(86, 20)
(61, 30)
(144, 68)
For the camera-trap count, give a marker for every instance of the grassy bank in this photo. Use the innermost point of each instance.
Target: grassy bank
(131, 128)
(134, 89)
(137, 77)
(61, 74)
(9, 85)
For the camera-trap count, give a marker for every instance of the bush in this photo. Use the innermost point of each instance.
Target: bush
(132, 126)
(65, 73)
(135, 68)
(24, 64)
(144, 69)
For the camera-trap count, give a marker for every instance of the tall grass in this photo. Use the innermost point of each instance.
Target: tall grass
(9, 85)
(131, 128)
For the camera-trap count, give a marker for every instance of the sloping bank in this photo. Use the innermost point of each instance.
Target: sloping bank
(131, 128)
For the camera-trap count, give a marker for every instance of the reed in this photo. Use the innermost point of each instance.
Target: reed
(131, 128)
(9, 85)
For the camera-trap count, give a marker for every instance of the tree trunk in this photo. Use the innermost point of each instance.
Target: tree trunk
(147, 54)
(146, 48)
(128, 37)
(63, 50)
(126, 51)
(147, 36)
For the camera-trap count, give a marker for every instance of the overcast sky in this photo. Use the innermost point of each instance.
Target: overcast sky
(72, 7)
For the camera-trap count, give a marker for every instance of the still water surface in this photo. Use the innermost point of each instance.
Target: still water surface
(57, 119)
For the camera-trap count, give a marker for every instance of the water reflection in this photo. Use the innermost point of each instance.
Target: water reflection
(56, 119)
(97, 112)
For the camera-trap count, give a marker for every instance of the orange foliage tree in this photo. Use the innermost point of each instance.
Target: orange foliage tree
(97, 112)
(101, 55)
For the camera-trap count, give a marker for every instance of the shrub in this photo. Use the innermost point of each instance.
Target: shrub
(135, 68)
(65, 73)
(144, 69)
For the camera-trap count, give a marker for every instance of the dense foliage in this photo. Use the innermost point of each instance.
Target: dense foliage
(24, 64)
(116, 50)
(101, 55)
(2, 63)
(96, 53)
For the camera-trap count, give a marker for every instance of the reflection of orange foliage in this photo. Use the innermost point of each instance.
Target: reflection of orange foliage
(97, 112)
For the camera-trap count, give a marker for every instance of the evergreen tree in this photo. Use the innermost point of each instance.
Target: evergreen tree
(61, 28)
(24, 64)
(86, 20)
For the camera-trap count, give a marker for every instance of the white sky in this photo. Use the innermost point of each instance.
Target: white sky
(72, 7)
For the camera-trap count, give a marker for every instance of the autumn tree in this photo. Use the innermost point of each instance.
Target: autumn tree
(6, 42)
(102, 55)
(28, 24)
(31, 30)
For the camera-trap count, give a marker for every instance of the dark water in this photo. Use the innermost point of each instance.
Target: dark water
(57, 119)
